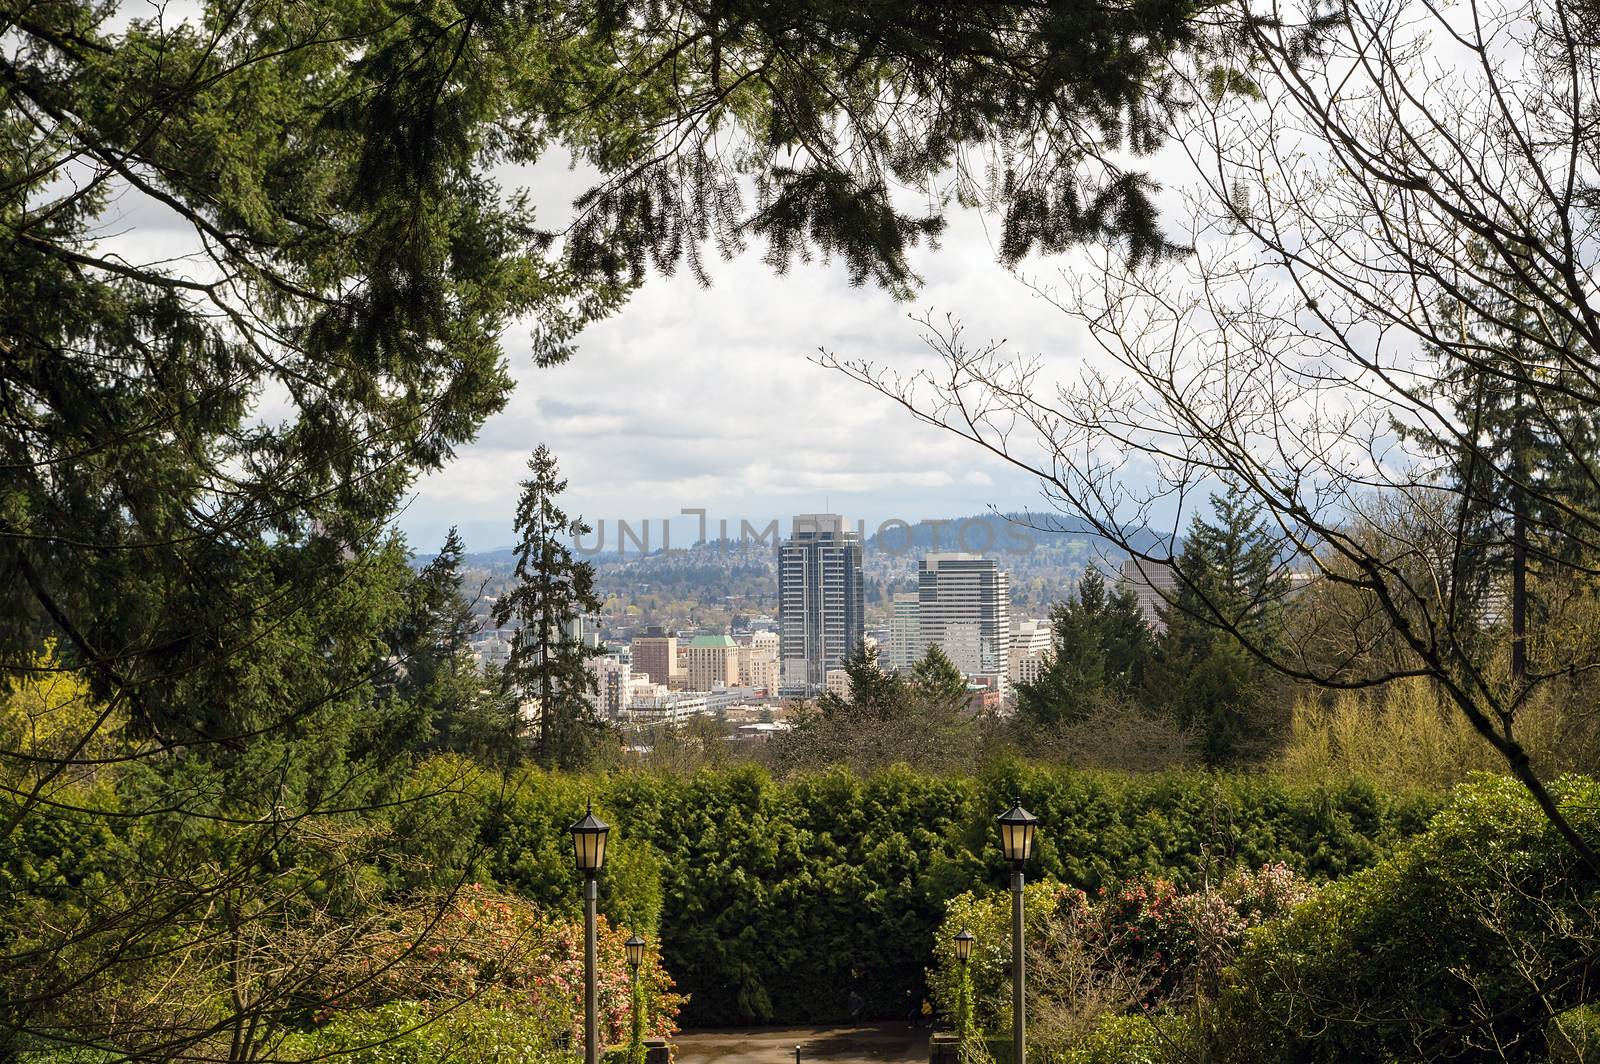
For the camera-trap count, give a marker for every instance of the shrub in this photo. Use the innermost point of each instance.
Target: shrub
(1574, 1036)
(1461, 939)
(414, 1032)
(1140, 947)
(779, 899)
(480, 942)
(1164, 1038)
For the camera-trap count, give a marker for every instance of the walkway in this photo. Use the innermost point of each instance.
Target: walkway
(873, 1043)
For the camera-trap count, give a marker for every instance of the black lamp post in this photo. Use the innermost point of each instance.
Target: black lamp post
(634, 948)
(963, 954)
(589, 849)
(1017, 827)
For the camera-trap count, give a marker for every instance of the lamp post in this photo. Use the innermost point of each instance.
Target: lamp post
(589, 848)
(963, 999)
(1017, 827)
(634, 948)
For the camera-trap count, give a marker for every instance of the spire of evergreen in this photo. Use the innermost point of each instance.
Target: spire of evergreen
(553, 591)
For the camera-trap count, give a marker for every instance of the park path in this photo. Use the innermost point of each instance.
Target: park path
(871, 1043)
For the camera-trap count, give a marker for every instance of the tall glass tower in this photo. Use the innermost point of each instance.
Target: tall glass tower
(821, 607)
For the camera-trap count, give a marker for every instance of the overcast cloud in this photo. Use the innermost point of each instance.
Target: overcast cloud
(693, 397)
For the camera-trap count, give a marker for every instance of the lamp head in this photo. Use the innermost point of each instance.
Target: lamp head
(1017, 827)
(589, 842)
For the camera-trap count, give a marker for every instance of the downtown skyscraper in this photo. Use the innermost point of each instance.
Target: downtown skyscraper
(821, 603)
(964, 606)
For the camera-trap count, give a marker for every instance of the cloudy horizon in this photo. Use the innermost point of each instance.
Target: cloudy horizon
(709, 398)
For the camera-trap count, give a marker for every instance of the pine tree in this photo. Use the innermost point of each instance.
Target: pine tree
(936, 679)
(552, 591)
(1518, 465)
(1231, 594)
(873, 692)
(1100, 649)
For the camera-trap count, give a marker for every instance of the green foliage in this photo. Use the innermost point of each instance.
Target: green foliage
(1100, 648)
(489, 1031)
(986, 977)
(778, 898)
(1463, 937)
(1574, 1036)
(1163, 1038)
(1230, 596)
(552, 591)
(873, 693)
(937, 679)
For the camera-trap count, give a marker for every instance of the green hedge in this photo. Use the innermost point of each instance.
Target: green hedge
(775, 900)
(1465, 937)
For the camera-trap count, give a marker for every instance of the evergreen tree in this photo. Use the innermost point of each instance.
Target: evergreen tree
(873, 692)
(552, 591)
(935, 678)
(1520, 454)
(1230, 593)
(1100, 649)
(434, 669)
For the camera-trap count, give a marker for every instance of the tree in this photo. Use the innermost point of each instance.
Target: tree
(1510, 523)
(874, 693)
(435, 668)
(1100, 648)
(938, 681)
(255, 265)
(551, 595)
(1374, 186)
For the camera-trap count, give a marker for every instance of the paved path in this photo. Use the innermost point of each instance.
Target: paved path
(864, 1044)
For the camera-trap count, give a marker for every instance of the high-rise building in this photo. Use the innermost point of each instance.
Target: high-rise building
(820, 600)
(1030, 651)
(1154, 584)
(712, 661)
(905, 633)
(964, 606)
(758, 663)
(655, 654)
(613, 677)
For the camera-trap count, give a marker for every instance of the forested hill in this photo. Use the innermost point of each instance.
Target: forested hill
(1044, 553)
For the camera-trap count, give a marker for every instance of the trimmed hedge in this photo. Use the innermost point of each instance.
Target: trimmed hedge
(777, 900)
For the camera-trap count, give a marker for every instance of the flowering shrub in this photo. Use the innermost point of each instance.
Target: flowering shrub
(1134, 949)
(479, 943)
(1186, 939)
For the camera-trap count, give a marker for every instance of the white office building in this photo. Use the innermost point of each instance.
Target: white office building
(964, 606)
(1030, 650)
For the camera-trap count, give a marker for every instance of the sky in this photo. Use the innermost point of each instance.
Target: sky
(708, 398)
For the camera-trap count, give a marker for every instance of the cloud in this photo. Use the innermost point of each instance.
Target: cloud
(695, 397)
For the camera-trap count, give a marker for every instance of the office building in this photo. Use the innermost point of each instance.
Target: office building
(905, 633)
(711, 661)
(1030, 651)
(655, 654)
(964, 606)
(1154, 585)
(613, 678)
(820, 600)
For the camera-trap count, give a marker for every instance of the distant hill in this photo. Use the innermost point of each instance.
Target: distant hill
(1044, 553)
(1007, 533)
